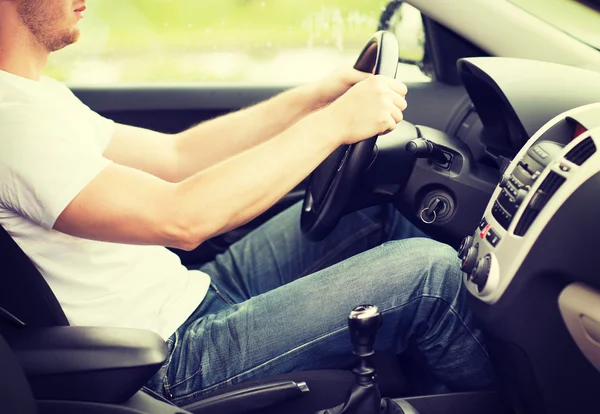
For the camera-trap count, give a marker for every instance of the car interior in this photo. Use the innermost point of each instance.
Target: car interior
(497, 157)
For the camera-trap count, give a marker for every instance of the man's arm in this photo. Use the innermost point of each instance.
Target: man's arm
(130, 206)
(176, 157)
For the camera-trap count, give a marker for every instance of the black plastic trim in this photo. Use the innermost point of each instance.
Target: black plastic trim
(174, 96)
(251, 398)
(106, 365)
(547, 189)
(488, 402)
(582, 152)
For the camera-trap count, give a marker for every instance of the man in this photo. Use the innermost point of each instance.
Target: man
(92, 203)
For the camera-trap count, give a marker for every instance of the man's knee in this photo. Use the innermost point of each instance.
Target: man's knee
(434, 264)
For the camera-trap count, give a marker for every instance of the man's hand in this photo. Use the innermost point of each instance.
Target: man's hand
(371, 107)
(336, 84)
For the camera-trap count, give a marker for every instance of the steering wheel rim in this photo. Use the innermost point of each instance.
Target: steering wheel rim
(330, 185)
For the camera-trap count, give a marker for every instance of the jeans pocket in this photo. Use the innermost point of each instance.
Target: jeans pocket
(157, 382)
(171, 345)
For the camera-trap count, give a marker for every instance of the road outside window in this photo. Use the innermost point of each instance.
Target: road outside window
(245, 41)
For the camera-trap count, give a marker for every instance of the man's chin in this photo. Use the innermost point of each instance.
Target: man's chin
(76, 36)
(66, 40)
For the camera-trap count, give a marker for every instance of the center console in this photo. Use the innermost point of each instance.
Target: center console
(536, 243)
(543, 176)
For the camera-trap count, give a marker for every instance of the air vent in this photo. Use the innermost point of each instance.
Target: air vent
(547, 189)
(526, 220)
(584, 150)
(551, 184)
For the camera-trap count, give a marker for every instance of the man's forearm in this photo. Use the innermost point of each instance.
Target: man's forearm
(216, 140)
(123, 204)
(208, 205)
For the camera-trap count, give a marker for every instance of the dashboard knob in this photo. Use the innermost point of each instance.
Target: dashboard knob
(470, 260)
(465, 245)
(481, 272)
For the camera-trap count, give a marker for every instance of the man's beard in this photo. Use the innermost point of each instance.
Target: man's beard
(41, 19)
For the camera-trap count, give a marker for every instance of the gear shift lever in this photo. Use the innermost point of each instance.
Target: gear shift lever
(364, 396)
(364, 322)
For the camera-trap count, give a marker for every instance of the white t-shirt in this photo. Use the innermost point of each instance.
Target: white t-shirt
(51, 147)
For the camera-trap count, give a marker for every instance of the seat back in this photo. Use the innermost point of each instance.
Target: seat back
(15, 392)
(24, 292)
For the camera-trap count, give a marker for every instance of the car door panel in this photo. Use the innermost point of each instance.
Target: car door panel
(171, 108)
(175, 108)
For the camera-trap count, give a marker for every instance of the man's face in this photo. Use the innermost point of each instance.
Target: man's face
(52, 22)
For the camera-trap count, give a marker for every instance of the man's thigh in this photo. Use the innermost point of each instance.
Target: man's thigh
(302, 325)
(277, 252)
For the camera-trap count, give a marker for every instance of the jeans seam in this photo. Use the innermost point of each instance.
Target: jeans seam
(343, 246)
(421, 296)
(455, 312)
(166, 385)
(221, 295)
(208, 389)
(171, 386)
(451, 309)
(172, 342)
(155, 395)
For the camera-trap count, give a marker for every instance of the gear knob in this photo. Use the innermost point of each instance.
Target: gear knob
(364, 322)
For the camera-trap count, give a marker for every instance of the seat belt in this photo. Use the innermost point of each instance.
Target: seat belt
(10, 318)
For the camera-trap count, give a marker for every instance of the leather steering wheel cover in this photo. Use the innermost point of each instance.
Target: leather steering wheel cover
(317, 224)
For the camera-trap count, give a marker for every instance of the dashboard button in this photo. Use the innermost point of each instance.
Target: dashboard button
(521, 194)
(512, 189)
(492, 238)
(540, 152)
(483, 223)
(507, 201)
(484, 232)
(516, 183)
(501, 215)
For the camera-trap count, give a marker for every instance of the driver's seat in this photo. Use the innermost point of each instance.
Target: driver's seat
(28, 306)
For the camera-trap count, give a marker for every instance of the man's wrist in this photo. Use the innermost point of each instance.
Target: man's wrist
(325, 121)
(314, 96)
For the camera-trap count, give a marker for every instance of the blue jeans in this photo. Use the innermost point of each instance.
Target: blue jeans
(279, 303)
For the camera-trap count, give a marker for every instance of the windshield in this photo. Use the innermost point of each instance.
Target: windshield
(578, 18)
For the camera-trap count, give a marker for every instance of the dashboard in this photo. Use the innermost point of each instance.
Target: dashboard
(514, 98)
(531, 114)
(543, 175)
(530, 264)
(511, 99)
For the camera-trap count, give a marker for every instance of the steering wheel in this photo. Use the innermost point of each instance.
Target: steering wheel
(330, 185)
